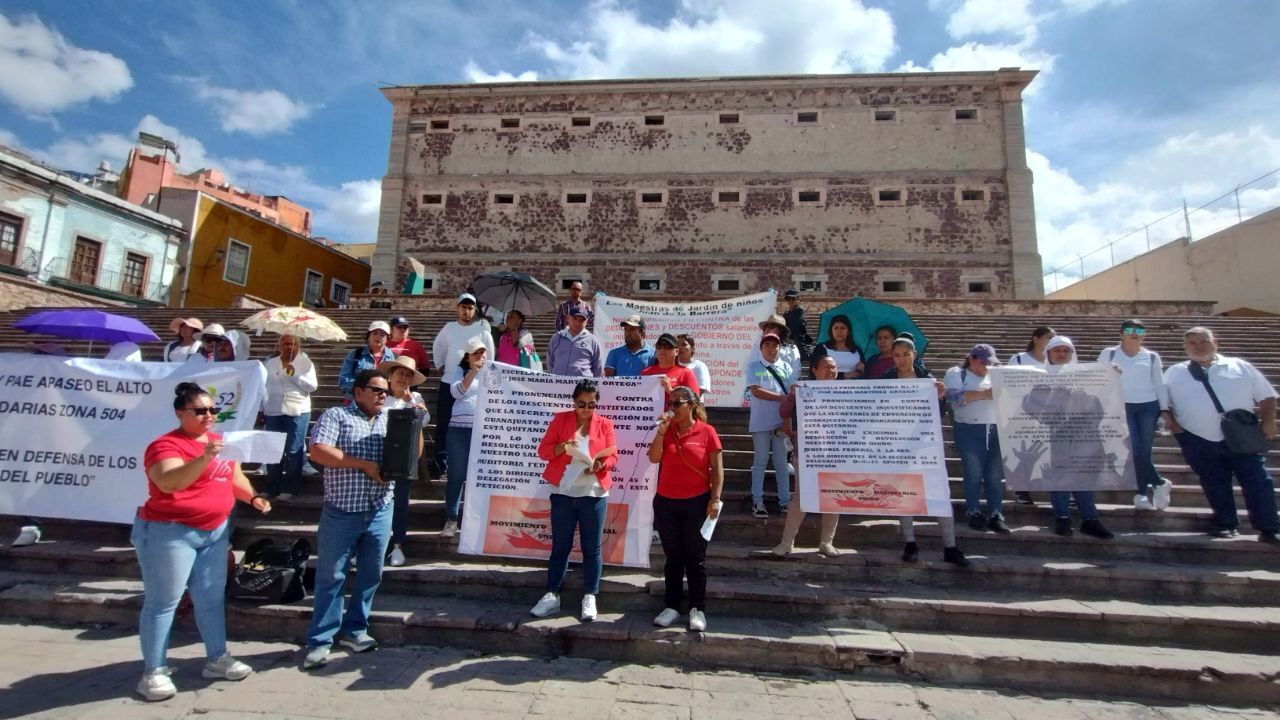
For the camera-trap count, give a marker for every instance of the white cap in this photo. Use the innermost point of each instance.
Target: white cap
(475, 344)
(379, 325)
(464, 297)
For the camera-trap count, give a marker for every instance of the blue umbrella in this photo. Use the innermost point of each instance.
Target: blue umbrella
(868, 315)
(83, 324)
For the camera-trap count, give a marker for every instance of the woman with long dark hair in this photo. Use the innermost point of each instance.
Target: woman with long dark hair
(840, 347)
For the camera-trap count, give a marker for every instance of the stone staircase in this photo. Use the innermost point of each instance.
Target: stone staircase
(1161, 612)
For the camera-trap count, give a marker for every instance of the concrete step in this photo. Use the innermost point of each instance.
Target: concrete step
(1100, 668)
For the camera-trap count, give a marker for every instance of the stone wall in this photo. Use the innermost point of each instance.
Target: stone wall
(17, 293)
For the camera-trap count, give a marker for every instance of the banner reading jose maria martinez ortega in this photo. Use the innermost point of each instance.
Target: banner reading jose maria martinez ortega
(73, 430)
(508, 507)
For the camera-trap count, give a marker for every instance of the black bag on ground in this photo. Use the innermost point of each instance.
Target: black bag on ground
(270, 573)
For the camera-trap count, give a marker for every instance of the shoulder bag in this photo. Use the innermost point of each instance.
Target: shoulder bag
(1240, 428)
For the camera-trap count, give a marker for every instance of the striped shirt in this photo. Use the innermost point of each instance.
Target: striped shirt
(348, 429)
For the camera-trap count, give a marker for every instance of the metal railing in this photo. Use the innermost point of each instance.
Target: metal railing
(110, 280)
(1221, 212)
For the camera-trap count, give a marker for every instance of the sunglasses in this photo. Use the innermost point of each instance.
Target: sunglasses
(678, 403)
(202, 411)
(1134, 331)
(584, 405)
(374, 389)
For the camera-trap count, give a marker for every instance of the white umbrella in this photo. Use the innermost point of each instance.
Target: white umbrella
(306, 324)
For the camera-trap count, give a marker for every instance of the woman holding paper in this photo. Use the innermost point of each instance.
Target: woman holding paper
(580, 451)
(181, 537)
(291, 378)
(690, 478)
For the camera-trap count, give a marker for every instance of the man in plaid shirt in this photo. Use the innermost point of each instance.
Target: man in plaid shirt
(356, 519)
(574, 303)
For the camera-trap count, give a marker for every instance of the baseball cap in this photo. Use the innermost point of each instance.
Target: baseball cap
(770, 336)
(378, 325)
(791, 295)
(399, 320)
(985, 353)
(579, 311)
(667, 338)
(633, 321)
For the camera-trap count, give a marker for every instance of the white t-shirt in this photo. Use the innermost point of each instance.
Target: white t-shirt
(1237, 383)
(1025, 358)
(181, 353)
(1140, 375)
(846, 360)
(578, 480)
(701, 373)
(788, 353)
(451, 343)
(974, 412)
(415, 400)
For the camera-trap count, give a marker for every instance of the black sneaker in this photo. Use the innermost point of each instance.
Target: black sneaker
(1062, 526)
(997, 523)
(1269, 537)
(910, 552)
(977, 521)
(1024, 497)
(1223, 533)
(1096, 529)
(954, 556)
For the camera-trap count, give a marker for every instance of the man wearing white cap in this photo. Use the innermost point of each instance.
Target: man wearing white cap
(447, 351)
(373, 352)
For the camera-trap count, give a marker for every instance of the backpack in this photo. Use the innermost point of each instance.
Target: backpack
(269, 573)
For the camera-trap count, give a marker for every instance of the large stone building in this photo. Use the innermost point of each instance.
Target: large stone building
(896, 185)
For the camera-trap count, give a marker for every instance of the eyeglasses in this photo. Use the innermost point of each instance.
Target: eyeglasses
(1134, 331)
(584, 405)
(374, 389)
(678, 403)
(202, 411)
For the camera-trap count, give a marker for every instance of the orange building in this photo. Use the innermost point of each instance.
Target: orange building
(229, 252)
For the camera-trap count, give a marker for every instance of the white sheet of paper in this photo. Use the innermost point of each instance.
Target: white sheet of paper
(709, 525)
(256, 446)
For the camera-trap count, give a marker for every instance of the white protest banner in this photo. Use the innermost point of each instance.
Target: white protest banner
(1064, 430)
(871, 448)
(508, 507)
(725, 331)
(73, 430)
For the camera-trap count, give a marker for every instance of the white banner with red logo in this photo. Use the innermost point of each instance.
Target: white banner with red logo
(508, 505)
(73, 430)
(724, 331)
(871, 448)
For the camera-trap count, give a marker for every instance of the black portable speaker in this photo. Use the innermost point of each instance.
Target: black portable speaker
(400, 449)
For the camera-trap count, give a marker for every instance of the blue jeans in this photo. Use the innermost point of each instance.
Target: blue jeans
(766, 442)
(176, 557)
(587, 515)
(1061, 502)
(286, 475)
(1216, 465)
(982, 467)
(1142, 419)
(458, 448)
(341, 535)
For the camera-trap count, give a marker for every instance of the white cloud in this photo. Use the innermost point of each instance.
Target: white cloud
(717, 37)
(986, 17)
(476, 74)
(41, 73)
(981, 56)
(353, 210)
(256, 112)
(1083, 6)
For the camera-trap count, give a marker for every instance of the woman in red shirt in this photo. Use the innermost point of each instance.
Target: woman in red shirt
(673, 374)
(580, 451)
(181, 538)
(689, 481)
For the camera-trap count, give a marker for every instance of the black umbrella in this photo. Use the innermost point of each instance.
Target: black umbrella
(509, 291)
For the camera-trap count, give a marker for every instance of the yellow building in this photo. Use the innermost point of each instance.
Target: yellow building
(230, 252)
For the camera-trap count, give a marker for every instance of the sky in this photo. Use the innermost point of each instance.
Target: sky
(1140, 105)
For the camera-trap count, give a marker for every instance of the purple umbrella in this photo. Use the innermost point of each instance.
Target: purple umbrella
(88, 325)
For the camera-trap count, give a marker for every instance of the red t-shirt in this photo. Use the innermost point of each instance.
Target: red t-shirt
(413, 349)
(686, 461)
(680, 375)
(206, 503)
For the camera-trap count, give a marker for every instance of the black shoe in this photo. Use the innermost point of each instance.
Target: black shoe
(1269, 537)
(1024, 497)
(1095, 528)
(1062, 526)
(977, 521)
(997, 523)
(1223, 533)
(954, 556)
(910, 552)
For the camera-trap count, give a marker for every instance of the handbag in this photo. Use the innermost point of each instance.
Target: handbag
(269, 573)
(1240, 428)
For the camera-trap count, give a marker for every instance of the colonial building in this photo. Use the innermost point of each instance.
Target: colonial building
(903, 185)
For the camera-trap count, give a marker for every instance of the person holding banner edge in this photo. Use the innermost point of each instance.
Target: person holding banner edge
(182, 536)
(821, 367)
(581, 452)
(690, 480)
(968, 388)
(1035, 357)
(1059, 353)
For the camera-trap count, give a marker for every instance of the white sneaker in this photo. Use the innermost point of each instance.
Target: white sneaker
(316, 657)
(30, 535)
(397, 557)
(450, 529)
(588, 608)
(550, 605)
(697, 620)
(828, 550)
(1142, 503)
(226, 668)
(285, 497)
(155, 685)
(1162, 495)
(666, 617)
(309, 470)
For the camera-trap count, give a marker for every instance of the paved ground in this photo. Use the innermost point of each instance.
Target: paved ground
(54, 672)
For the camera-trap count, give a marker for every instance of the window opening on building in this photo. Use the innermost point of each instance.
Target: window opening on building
(973, 195)
(810, 286)
(439, 124)
(311, 287)
(980, 286)
(567, 282)
(889, 196)
(134, 276)
(433, 199)
(728, 196)
(655, 120)
(510, 123)
(649, 285)
(504, 199)
(809, 196)
(340, 292)
(807, 117)
(966, 113)
(651, 197)
(10, 231)
(893, 286)
(236, 268)
(580, 121)
(728, 118)
(728, 285)
(886, 115)
(575, 198)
